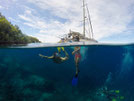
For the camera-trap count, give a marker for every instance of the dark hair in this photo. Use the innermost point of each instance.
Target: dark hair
(76, 38)
(55, 54)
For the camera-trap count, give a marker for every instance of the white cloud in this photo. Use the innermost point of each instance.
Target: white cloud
(108, 17)
(23, 17)
(68, 9)
(48, 27)
(14, 20)
(47, 38)
(31, 20)
(1, 7)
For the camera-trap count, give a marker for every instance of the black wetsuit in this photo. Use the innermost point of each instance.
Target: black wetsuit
(57, 59)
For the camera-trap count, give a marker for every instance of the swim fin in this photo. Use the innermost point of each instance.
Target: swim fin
(117, 91)
(75, 81)
(62, 48)
(59, 50)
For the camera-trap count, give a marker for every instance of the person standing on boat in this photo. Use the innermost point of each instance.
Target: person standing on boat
(77, 57)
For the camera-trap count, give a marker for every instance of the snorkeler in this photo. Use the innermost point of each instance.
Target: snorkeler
(56, 56)
(111, 95)
(77, 58)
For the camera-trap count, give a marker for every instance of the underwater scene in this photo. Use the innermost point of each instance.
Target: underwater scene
(97, 73)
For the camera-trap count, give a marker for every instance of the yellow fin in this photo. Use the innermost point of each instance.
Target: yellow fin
(63, 48)
(59, 50)
(117, 91)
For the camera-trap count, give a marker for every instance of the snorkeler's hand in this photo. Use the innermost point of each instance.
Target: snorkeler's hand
(40, 55)
(73, 53)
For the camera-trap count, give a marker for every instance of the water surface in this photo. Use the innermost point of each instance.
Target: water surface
(25, 76)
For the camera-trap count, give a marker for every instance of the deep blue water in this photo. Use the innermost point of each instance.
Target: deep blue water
(24, 76)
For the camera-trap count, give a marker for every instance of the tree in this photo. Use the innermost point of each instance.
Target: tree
(12, 34)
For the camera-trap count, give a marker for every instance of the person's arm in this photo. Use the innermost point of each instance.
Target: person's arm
(67, 56)
(76, 50)
(48, 57)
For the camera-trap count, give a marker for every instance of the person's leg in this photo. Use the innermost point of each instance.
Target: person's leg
(59, 49)
(63, 49)
(66, 56)
(77, 65)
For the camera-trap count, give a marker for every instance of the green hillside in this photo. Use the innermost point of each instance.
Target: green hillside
(10, 34)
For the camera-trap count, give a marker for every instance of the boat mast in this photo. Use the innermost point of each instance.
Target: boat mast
(90, 23)
(83, 18)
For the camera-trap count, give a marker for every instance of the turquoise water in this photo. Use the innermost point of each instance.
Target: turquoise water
(24, 76)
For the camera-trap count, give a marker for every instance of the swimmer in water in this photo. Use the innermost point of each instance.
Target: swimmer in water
(56, 57)
(77, 58)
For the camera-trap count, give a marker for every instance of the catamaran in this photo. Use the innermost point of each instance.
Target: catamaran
(73, 36)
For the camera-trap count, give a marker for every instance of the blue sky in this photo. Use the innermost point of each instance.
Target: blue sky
(112, 20)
